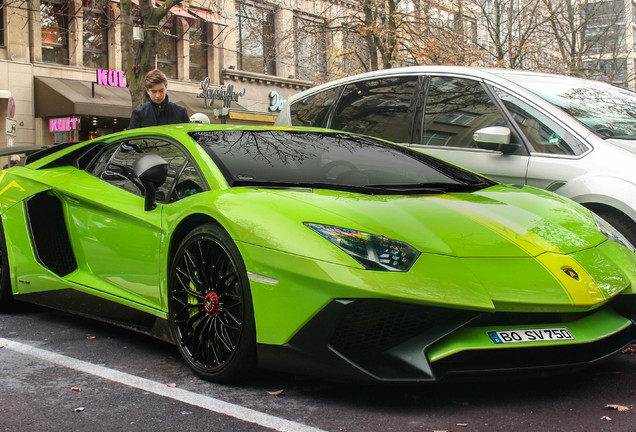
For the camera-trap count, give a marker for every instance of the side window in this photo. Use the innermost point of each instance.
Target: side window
(313, 110)
(381, 108)
(543, 134)
(115, 166)
(455, 109)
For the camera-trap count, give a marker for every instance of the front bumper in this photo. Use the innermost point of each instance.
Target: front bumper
(369, 340)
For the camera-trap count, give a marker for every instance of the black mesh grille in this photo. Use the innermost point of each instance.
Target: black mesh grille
(373, 326)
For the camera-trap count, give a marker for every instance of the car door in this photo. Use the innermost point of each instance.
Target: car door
(454, 109)
(555, 152)
(119, 246)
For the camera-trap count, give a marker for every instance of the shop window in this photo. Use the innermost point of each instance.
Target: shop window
(198, 51)
(54, 15)
(255, 25)
(310, 50)
(167, 47)
(95, 34)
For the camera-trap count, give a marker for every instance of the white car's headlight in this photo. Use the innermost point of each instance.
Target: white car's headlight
(374, 252)
(611, 233)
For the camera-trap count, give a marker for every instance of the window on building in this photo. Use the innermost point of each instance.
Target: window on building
(604, 24)
(310, 49)
(198, 51)
(54, 15)
(167, 47)
(255, 24)
(95, 34)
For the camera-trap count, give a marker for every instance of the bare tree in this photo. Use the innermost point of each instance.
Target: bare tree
(590, 37)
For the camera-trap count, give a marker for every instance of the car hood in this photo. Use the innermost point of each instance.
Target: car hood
(500, 221)
(629, 145)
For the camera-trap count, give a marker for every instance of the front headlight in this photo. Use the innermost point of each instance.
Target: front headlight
(374, 252)
(611, 233)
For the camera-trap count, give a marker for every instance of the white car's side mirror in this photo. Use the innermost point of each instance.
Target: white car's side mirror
(495, 138)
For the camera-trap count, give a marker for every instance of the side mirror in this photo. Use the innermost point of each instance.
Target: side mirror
(495, 138)
(152, 170)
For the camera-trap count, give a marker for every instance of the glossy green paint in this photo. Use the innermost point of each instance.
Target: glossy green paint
(499, 249)
(591, 328)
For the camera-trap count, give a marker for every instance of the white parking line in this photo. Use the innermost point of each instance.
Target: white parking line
(161, 389)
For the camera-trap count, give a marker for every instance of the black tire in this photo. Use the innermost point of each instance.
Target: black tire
(6, 293)
(621, 222)
(210, 306)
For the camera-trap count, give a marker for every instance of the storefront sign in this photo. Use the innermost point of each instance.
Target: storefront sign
(226, 94)
(111, 78)
(64, 124)
(276, 103)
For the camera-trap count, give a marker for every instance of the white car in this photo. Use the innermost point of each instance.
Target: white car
(572, 136)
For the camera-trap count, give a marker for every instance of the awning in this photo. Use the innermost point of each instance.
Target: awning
(208, 16)
(59, 97)
(177, 10)
(5, 94)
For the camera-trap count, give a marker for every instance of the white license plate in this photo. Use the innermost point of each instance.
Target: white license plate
(530, 335)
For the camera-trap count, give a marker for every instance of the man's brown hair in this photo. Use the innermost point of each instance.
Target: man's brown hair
(155, 77)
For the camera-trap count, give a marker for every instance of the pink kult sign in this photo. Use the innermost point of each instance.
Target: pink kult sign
(111, 78)
(63, 124)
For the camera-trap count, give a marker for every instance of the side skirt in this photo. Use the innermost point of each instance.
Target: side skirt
(88, 306)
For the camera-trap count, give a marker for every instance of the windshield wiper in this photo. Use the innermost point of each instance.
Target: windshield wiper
(431, 187)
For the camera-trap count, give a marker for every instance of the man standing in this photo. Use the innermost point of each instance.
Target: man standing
(158, 110)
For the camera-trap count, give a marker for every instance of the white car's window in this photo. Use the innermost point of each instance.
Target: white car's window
(543, 135)
(455, 109)
(313, 110)
(382, 108)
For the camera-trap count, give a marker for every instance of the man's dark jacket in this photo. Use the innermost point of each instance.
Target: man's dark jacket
(152, 114)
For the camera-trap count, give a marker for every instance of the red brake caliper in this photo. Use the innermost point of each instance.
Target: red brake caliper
(211, 303)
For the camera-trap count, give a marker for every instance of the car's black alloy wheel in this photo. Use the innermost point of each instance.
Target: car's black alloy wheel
(210, 306)
(6, 295)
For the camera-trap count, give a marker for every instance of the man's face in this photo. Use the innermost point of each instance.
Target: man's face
(157, 92)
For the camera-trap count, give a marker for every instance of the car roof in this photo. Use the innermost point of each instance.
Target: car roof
(500, 75)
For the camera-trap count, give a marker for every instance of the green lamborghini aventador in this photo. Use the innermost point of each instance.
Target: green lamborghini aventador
(314, 252)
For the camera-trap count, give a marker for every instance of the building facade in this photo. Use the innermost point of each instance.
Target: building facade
(61, 77)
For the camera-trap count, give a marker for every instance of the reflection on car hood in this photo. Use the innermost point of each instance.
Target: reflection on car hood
(497, 222)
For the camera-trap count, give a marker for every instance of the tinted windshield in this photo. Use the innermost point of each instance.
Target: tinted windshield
(330, 161)
(607, 110)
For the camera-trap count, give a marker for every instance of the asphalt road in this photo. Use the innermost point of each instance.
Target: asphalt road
(64, 373)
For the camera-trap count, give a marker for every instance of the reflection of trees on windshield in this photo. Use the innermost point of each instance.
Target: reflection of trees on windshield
(308, 157)
(608, 113)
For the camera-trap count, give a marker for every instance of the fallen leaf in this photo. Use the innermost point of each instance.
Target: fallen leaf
(617, 407)
(80, 409)
(171, 385)
(91, 337)
(461, 424)
(276, 393)
(77, 389)
(630, 349)
(606, 418)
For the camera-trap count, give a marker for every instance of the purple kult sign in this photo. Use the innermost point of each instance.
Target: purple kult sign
(111, 78)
